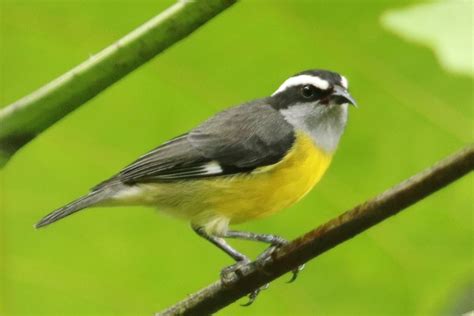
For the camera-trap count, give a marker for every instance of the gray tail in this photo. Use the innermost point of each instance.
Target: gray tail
(75, 206)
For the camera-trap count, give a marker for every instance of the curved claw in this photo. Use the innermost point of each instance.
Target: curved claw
(253, 295)
(295, 273)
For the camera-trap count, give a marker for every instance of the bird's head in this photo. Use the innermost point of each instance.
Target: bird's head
(316, 102)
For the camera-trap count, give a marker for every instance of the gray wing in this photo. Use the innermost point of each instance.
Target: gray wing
(239, 139)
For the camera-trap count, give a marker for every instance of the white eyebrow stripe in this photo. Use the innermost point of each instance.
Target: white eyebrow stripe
(344, 82)
(302, 80)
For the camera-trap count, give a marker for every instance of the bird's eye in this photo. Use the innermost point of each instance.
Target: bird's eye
(308, 91)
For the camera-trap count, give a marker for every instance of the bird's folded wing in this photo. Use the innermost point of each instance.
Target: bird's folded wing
(237, 140)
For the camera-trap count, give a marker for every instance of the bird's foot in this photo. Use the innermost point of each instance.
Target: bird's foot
(235, 271)
(227, 274)
(267, 254)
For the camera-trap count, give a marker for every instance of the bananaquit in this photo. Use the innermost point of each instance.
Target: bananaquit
(246, 162)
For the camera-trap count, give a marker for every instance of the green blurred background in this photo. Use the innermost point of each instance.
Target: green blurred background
(415, 108)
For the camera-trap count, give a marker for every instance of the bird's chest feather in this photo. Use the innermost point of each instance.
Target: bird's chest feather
(271, 188)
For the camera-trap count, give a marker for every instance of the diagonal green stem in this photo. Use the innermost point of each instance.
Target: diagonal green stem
(24, 119)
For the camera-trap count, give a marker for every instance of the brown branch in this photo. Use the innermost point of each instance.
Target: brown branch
(218, 295)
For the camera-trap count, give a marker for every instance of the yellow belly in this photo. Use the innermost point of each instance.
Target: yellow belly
(235, 199)
(271, 188)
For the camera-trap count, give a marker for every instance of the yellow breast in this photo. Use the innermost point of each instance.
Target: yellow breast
(271, 188)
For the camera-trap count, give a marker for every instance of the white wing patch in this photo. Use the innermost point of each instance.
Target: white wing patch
(212, 167)
(207, 169)
(303, 80)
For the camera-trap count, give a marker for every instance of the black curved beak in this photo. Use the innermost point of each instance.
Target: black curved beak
(342, 96)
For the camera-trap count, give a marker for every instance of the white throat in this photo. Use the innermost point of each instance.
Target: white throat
(325, 124)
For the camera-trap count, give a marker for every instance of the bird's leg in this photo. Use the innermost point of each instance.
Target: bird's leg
(275, 242)
(237, 256)
(221, 244)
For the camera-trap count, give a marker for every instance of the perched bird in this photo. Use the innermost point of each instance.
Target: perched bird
(246, 162)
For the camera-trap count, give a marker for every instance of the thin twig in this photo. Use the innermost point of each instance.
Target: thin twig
(24, 119)
(349, 224)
